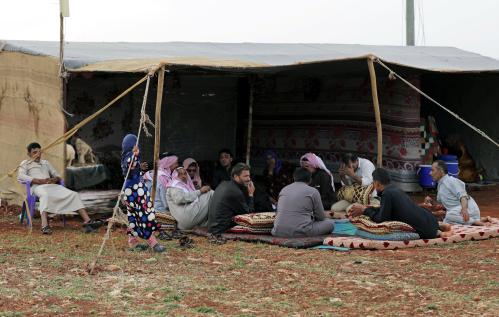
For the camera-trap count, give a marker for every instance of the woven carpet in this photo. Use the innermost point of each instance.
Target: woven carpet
(297, 243)
(461, 233)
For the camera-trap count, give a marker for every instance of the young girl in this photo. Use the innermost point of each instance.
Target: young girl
(140, 211)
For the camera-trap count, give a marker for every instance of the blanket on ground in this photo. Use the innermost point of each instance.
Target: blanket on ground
(297, 243)
(461, 233)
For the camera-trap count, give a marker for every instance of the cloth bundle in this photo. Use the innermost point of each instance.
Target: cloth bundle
(356, 193)
(256, 223)
(387, 227)
(166, 220)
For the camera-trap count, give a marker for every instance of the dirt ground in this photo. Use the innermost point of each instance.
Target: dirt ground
(46, 276)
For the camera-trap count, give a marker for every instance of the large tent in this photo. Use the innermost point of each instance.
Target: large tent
(303, 96)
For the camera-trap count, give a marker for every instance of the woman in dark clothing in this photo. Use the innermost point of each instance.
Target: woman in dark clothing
(277, 174)
(322, 179)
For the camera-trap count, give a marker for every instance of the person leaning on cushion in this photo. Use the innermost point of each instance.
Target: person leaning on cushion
(231, 198)
(396, 205)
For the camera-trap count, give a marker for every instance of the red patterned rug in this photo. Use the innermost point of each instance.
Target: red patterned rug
(461, 233)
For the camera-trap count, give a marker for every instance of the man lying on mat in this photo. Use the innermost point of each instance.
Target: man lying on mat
(299, 209)
(451, 193)
(396, 205)
(54, 198)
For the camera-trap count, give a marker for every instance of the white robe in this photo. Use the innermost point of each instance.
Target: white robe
(53, 198)
(190, 209)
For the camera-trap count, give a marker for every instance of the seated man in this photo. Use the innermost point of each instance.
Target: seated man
(188, 205)
(353, 170)
(396, 205)
(222, 172)
(231, 198)
(451, 193)
(299, 209)
(53, 198)
(322, 179)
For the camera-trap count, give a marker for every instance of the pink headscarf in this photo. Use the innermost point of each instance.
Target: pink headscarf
(197, 177)
(178, 183)
(164, 172)
(317, 163)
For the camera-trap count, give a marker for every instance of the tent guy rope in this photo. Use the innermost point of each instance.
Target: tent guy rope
(116, 210)
(477, 130)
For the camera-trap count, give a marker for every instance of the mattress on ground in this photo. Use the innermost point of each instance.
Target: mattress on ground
(298, 243)
(461, 233)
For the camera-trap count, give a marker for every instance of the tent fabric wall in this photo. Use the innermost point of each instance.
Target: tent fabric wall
(198, 114)
(334, 115)
(30, 97)
(462, 92)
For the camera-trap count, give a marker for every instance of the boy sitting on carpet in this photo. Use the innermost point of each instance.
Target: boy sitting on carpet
(396, 205)
(451, 192)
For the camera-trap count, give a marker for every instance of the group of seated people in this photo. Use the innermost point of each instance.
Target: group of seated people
(304, 197)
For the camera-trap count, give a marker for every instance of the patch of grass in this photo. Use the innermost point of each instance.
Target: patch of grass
(238, 260)
(10, 314)
(205, 310)
(432, 307)
(172, 298)
(221, 288)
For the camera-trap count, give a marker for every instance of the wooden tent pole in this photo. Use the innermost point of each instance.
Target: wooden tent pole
(250, 124)
(157, 128)
(377, 114)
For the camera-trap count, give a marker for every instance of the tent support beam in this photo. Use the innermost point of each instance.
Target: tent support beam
(157, 128)
(377, 114)
(250, 124)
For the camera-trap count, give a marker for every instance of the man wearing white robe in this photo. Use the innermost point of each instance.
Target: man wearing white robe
(53, 197)
(451, 193)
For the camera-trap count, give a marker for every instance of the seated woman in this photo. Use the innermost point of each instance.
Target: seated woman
(299, 210)
(192, 168)
(277, 174)
(187, 205)
(166, 165)
(322, 179)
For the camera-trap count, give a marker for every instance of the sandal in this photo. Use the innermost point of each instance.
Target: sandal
(88, 228)
(185, 242)
(216, 239)
(95, 224)
(46, 230)
(158, 248)
(138, 247)
(165, 235)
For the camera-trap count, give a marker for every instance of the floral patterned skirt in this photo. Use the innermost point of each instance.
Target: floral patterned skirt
(140, 211)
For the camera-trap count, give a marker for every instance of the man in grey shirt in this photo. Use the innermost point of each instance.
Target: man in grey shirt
(299, 209)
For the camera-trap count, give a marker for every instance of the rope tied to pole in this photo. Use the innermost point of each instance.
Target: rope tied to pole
(118, 215)
(455, 115)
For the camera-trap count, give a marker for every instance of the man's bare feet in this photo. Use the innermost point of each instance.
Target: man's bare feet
(445, 230)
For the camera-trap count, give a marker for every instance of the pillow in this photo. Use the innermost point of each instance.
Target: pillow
(355, 193)
(165, 218)
(256, 220)
(395, 236)
(252, 230)
(366, 224)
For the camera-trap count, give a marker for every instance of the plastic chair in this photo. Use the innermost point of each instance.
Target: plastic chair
(32, 199)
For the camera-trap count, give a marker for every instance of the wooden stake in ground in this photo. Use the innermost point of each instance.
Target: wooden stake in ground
(377, 114)
(157, 130)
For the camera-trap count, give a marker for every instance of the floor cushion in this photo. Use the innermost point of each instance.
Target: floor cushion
(366, 224)
(256, 220)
